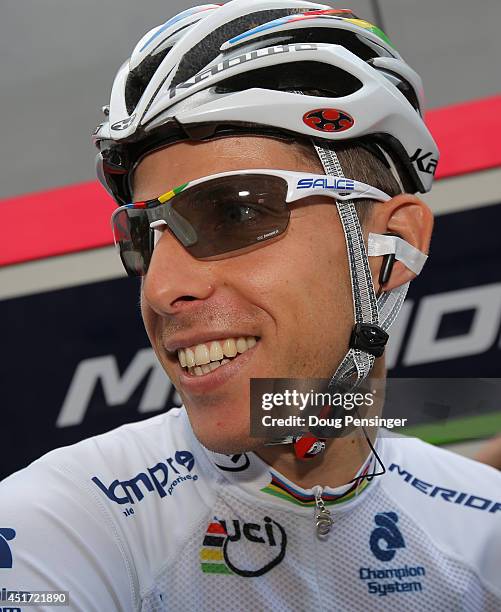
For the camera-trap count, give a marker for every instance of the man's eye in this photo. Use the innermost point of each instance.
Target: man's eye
(237, 213)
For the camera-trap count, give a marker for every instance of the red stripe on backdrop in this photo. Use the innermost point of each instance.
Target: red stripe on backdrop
(76, 218)
(55, 222)
(467, 135)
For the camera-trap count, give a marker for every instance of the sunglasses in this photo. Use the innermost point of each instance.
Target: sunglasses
(218, 214)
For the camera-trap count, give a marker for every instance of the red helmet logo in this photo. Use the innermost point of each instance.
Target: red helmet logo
(328, 120)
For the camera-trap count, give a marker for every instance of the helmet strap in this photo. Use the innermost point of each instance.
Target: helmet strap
(372, 315)
(358, 361)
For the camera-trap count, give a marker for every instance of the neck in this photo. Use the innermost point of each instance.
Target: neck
(339, 463)
(335, 466)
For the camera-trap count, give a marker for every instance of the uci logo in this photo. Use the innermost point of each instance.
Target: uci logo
(234, 550)
(386, 538)
(6, 534)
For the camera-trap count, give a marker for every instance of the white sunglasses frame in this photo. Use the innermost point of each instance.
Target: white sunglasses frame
(300, 185)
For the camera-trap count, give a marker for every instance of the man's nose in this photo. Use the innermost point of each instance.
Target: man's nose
(175, 279)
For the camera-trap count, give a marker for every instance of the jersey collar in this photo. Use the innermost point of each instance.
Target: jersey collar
(248, 472)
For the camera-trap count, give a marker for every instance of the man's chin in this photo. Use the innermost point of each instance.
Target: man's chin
(224, 428)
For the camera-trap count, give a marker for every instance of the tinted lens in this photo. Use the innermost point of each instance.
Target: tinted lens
(131, 229)
(216, 217)
(233, 212)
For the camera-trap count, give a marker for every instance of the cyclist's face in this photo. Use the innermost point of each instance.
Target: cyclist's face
(293, 295)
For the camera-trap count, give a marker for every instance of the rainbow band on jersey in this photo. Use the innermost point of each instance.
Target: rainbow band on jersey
(280, 488)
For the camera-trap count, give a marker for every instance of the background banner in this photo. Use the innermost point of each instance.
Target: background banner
(77, 361)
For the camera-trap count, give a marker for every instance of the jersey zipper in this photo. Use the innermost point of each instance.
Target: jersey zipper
(323, 519)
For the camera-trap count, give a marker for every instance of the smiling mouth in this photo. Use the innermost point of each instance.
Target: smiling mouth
(204, 358)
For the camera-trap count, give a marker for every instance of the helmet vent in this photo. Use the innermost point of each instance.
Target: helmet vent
(402, 85)
(304, 76)
(333, 36)
(208, 48)
(138, 79)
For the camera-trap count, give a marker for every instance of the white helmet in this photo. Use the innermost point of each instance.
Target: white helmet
(243, 67)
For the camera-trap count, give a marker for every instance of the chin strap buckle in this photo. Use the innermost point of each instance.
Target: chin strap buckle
(369, 338)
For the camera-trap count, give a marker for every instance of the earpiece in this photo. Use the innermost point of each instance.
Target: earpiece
(386, 267)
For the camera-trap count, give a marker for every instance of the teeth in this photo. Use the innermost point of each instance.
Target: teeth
(190, 357)
(241, 345)
(201, 354)
(205, 358)
(229, 347)
(251, 341)
(216, 352)
(206, 368)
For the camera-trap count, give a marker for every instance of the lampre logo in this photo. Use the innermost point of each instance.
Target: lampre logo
(386, 538)
(162, 478)
(328, 120)
(6, 534)
(232, 550)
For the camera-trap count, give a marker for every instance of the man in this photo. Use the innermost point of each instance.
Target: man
(247, 135)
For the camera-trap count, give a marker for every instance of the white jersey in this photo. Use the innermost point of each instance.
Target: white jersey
(144, 518)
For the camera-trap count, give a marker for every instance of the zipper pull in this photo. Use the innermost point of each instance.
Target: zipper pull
(323, 519)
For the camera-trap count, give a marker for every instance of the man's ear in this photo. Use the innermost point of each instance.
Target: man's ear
(410, 218)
